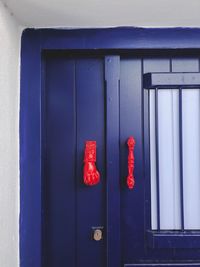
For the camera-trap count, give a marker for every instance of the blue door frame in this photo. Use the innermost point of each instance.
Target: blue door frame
(34, 44)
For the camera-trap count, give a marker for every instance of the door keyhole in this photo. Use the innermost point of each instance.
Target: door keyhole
(97, 235)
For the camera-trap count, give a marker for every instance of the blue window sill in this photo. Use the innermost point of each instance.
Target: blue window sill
(173, 239)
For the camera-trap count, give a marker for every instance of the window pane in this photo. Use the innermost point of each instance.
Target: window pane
(168, 142)
(191, 158)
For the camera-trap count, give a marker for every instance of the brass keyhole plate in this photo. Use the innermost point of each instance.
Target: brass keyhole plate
(97, 233)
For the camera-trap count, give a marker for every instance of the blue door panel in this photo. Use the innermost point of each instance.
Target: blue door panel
(73, 113)
(132, 201)
(59, 186)
(90, 126)
(134, 216)
(135, 204)
(112, 77)
(178, 251)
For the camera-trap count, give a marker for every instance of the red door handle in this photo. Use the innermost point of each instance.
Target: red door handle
(131, 163)
(90, 174)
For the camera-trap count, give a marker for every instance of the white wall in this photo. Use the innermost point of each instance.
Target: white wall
(104, 13)
(10, 34)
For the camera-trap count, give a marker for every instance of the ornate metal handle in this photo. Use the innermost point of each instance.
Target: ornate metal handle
(131, 163)
(91, 176)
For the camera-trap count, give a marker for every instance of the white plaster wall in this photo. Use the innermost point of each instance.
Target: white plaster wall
(10, 33)
(104, 13)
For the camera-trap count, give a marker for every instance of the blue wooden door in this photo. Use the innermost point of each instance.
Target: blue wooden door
(108, 99)
(159, 106)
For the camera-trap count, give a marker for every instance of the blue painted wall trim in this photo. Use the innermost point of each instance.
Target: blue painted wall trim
(30, 152)
(34, 42)
(118, 38)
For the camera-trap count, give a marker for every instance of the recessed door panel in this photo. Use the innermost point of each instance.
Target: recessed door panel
(59, 182)
(90, 200)
(74, 112)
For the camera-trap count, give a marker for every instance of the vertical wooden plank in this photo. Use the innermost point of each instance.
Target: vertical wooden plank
(112, 72)
(132, 201)
(59, 190)
(91, 207)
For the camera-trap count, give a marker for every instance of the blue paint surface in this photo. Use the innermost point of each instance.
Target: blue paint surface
(118, 38)
(90, 103)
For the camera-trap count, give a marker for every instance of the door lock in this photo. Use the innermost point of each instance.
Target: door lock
(97, 233)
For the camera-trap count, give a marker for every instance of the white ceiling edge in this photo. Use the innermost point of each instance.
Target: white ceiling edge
(110, 27)
(105, 27)
(105, 13)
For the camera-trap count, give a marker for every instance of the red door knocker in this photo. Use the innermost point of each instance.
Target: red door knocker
(131, 161)
(91, 176)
